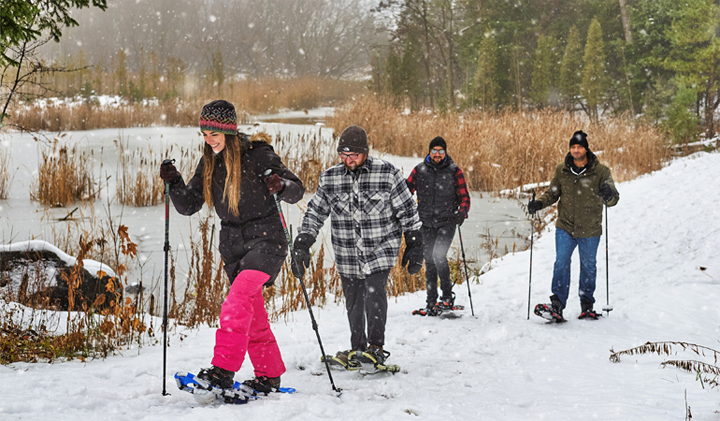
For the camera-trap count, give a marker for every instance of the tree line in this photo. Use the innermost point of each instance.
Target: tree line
(655, 60)
(658, 60)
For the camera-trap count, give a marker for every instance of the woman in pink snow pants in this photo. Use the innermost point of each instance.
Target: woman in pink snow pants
(233, 177)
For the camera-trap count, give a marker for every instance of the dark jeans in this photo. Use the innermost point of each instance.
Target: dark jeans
(436, 243)
(366, 300)
(587, 249)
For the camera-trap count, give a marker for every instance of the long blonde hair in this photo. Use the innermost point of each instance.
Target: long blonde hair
(232, 157)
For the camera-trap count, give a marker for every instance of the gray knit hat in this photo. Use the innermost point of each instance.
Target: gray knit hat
(353, 139)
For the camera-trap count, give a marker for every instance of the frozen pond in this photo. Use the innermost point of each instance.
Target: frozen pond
(21, 219)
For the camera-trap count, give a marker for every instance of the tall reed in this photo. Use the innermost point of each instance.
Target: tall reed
(509, 149)
(264, 95)
(64, 176)
(138, 181)
(5, 178)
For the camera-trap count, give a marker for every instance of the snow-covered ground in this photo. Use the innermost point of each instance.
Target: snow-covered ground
(664, 285)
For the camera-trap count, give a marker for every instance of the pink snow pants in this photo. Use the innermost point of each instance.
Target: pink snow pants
(244, 327)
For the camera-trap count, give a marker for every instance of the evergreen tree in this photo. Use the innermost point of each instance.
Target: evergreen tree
(544, 70)
(681, 122)
(410, 72)
(571, 69)
(595, 81)
(393, 78)
(121, 82)
(487, 86)
(695, 57)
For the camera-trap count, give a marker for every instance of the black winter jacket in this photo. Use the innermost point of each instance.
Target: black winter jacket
(435, 185)
(255, 238)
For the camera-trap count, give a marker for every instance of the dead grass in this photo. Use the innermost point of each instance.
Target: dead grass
(5, 178)
(506, 150)
(307, 156)
(138, 181)
(97, 329)
(64, 177)
(252, 96)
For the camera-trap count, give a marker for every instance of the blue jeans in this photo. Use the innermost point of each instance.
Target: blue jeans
(564, 246)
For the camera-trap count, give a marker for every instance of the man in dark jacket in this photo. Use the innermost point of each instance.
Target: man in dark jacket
(581, 184)
(443, 203)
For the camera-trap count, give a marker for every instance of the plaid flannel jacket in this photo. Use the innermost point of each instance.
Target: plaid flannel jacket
(369, 208)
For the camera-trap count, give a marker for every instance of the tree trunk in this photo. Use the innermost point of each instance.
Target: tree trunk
(625, 21)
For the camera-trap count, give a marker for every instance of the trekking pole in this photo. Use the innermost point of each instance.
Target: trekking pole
(532, 236)
(165, 295)
(608, 308)
(305, 294)
(467, 278)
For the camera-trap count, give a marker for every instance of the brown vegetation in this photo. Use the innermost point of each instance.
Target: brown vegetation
(64, 177)
(249, 96)
(509, 149)
(5, 178)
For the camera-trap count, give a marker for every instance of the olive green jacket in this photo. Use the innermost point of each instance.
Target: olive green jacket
(581, 207)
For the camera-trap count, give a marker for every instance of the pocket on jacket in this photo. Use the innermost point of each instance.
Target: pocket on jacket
(376, 203)
(340, 204)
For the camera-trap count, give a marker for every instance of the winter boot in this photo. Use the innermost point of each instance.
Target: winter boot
(557, 306)
(446, 303)
(342, 359)
(371, 358)
(263, 384)
(587, 311)
(217, 377)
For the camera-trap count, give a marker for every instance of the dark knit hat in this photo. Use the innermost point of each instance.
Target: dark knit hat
(353, 139)
(438, 141)
(579, 138)
(219, 116)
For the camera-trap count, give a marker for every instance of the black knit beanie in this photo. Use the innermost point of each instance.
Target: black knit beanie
(579, 138)
(438, 141)
(353, 139)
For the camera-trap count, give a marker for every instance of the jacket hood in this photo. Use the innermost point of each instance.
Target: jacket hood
(448, 160)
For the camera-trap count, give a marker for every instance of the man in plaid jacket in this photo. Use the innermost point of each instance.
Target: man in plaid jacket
(369, 206)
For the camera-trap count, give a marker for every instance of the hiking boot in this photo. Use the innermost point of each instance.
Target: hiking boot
(217, 377)
(587, 311)
(342, 358)
(374, 355)
(446, 303)
(264, 384)
(556, 305)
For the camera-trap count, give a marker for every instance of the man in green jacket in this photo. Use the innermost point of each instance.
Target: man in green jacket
(582, 185)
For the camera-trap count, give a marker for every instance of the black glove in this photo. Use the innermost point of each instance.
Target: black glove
(607, 192)
(413, 252)
(301, 254)
(168, 172)
(534, 206)
(459, 218)
(275, 184)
